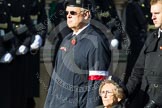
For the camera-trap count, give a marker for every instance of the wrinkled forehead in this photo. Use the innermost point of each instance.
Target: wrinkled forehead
(108, 86)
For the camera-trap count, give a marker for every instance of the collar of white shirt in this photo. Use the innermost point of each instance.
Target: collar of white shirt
(160, 30)
(80, 30)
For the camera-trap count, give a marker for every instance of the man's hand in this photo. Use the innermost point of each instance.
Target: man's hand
(7, 58)
(37, 43)
(22, 50)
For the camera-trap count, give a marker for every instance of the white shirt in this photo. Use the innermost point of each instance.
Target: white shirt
(80, 30)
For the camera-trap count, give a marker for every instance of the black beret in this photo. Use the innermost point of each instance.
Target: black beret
(87, 4)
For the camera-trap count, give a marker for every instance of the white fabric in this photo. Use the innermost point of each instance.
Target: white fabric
(37, 42)
(102, 73)
(114, 43)
(80, 30)
(159, 32)
(110, 78)
(22, 49)
(7, 58)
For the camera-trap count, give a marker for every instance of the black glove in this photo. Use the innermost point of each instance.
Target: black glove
(151, 104)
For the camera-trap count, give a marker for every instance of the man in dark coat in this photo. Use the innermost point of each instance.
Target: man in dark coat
(39, 19)
(148, 69)
(12, 86)
(5, 47)
(19, 78)
(81, 63)
(136, 27)
(136, 15)
(6, 34)
(20, 17)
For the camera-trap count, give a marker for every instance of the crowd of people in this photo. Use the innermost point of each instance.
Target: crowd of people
(82, 76)
(23, 30)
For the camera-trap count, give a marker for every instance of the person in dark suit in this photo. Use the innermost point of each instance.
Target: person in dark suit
(81, 63)
(7, 35)
(136, 15)
(5, 48)
(147, 71)
(136, 27)
(39, 20)
(19, 83)
(10, 76)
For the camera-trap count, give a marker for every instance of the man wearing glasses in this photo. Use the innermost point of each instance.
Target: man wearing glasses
(81, 63)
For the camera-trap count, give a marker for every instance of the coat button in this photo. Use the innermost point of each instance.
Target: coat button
(23, 6)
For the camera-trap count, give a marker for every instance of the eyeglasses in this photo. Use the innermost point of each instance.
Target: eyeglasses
(72, 12)
(102, 93)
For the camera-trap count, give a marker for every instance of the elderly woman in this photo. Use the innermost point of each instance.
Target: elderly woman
(112, 93)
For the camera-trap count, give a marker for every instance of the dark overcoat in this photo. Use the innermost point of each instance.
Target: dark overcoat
(37, 15)
(75, 79)
(147, 72)
(18, 78)
(136, 28)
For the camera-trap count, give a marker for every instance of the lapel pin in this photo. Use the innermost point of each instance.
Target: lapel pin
(73, 41)
(160, 47)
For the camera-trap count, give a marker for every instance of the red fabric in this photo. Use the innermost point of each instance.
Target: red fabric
(96, 77)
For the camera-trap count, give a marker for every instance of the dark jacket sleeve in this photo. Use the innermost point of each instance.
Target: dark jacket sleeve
(2, 49)
(137, 73)
(43, 20)
(98, 60)
(31, 28)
